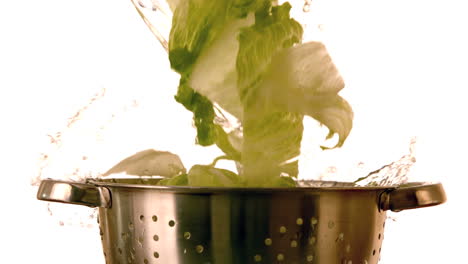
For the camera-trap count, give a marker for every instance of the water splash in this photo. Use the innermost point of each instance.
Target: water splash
(395, 173)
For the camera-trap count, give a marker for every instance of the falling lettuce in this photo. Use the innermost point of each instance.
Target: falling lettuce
(246, 57)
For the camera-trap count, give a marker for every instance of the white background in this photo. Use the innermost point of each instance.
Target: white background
(404, 63)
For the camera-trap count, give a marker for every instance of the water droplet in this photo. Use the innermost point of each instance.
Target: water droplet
(156, 254)
(187, 235)
(268, 241)
(309, 258)
(293, 243)
(155, 237)
(257, 258)
(155, 218)
(280, 257)
(199, 249)
(366, 262)
(185, 251)
(171, 223)
(282, 229)
(321, 27)
(299, 221)
(331, 224)
(140, 240)
(145, 261)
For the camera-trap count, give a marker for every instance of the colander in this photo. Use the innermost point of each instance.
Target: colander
(143, 223)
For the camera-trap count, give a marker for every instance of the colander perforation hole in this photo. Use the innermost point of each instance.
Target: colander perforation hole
(257, 258)
(299, 221)
(313, 221)
(187, 235)
(312, 240)
(268, 241)
(142, 218)
(309, 258)
(280, 257)
(154, 218)
(199, 249)
(156, 238)
(293, 243)
(145, 261)
(283, 229)
(171, 223)
(155, 254)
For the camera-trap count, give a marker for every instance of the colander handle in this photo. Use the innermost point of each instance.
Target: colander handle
(415, 195)
(74, 193)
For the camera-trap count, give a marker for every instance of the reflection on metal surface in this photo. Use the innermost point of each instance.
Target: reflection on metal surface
(181, 225)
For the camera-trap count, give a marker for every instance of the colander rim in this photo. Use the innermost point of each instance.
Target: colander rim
(345, 186)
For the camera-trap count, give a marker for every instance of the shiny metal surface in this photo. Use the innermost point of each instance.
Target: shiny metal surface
(74, 193)
(184, 225)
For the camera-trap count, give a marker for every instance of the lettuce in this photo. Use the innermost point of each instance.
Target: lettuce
(272, 136)
(246, 56)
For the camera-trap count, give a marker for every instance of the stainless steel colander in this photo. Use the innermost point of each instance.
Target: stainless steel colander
(144, 223)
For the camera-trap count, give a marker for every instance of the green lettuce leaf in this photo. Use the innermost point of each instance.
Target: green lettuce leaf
(179, 180)
(266, 79)
(303, 79)
(208, 176)
(272, 136)
(203, 113)
(199, 27)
